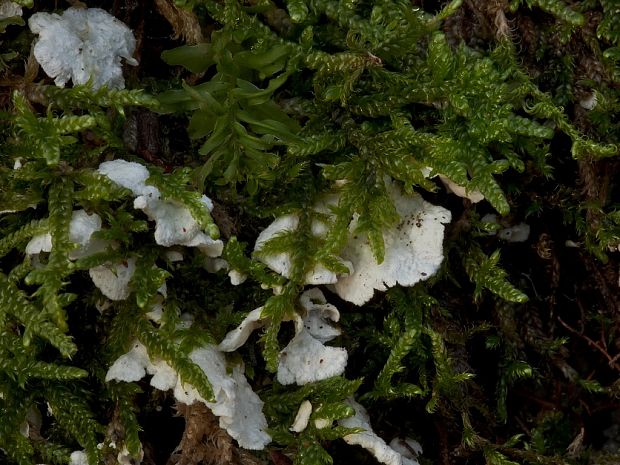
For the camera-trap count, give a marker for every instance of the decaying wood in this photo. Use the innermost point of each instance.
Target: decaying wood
(205, 443)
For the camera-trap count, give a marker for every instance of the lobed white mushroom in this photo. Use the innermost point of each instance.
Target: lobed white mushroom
(305, 359)
(174, 223)
(413, 250)
(82, 45)
(474, 196)
(238, 407)
(83, 225)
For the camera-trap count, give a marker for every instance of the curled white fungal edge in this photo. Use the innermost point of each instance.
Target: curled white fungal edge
(474, 196)
(306, 358)
(174, 224)
(517, 233)
(302, 418)
(369, 440)
(239, 409)
(413, 250)
(83, 44)
(238, 336)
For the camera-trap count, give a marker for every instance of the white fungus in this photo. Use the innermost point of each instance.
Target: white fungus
(83, 44)
(369, 439)
(474, 196)
(306, 359)
(39, 243)
(510, 233)
(238, 336)
(517, 233)
(9, 9)
(113, 279)
(78, 458)
(413, 250)
(174, 223)
(303, 416)
(589, 102)
(407, 447)
(164, 376)
(281, 263)
(131, 366)
(81, 228)
(238, 407)
(124, 457)
(237, 277)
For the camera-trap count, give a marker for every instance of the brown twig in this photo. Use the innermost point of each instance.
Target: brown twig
(592, 343)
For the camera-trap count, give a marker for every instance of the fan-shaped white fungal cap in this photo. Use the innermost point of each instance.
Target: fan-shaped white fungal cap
(83, 44)
(247, 424)
(306, 359)
(81, 229)
(39, 243)
(128, 174)
(237, 277)
(239, 409)
(281, 263)
(413, 250)
(369, 439)
(318, 312)
(78, 457)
